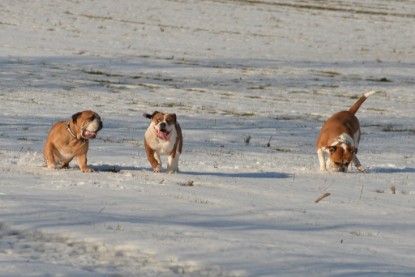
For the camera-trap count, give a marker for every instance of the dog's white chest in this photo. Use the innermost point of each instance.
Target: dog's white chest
(162, 147)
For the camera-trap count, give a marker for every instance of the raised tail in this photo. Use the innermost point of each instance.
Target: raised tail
(353, 109)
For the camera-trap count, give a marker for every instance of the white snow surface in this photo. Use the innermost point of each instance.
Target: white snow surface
(251, 83)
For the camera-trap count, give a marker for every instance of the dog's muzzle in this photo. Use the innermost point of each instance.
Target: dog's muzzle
(163, 126)
(341, 167)
(91, 131)
(162, 132)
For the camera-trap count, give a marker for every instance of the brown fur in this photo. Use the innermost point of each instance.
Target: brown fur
(340, 137)
(156, 146)
(339, 123)
(61, 147)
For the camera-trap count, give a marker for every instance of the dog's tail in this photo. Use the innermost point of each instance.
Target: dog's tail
(353, 109)
(146, 115)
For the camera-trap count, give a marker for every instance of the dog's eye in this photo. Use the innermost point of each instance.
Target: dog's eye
(346, 164)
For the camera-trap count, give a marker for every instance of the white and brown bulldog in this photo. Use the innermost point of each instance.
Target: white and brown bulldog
(69, 139)
(339, 138)
(163, 137)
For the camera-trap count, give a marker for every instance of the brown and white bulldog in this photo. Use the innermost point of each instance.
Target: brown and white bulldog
(339, 137)
(69, 139)
(163, 137)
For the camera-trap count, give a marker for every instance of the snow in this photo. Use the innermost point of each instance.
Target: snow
(251, 82)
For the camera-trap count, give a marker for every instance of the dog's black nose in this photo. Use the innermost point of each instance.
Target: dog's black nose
(162, 125)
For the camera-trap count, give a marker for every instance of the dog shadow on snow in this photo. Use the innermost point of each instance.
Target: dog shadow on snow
(263, 175)
(391, 170)
(115, 168)
(239, 174)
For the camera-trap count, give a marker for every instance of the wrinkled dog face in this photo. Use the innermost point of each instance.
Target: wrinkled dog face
(341, 156)
(163, 124)
(89, 124)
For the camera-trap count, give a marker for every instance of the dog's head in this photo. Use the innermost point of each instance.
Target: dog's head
(341, 156)
(87, 124)
(162, 123)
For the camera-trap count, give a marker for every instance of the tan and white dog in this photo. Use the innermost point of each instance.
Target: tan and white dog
(69, 139)
(163, 137)
(339, 138)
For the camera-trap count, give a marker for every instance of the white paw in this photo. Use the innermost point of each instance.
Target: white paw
(361, 169)
(50, 166)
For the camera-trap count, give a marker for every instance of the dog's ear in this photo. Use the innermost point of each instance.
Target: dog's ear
(173, 115)
(146, 115)
(353, 150)
(75, 117)
(332, 149)
(154, 113)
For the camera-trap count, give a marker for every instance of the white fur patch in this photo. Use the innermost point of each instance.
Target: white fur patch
(162, 147)
(93, 126)
(344, 140)
(369, 93)
(321, 154)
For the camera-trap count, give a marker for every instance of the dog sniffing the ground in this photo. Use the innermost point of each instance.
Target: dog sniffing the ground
(339, 138)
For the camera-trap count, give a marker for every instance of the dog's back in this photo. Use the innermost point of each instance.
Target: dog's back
(340, 123)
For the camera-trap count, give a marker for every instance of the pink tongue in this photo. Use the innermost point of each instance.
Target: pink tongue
(89, 134)
(162, 135)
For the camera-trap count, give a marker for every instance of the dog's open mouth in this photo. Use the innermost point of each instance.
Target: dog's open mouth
(89, 134)
(163, 134)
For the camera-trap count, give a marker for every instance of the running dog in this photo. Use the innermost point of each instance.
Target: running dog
(163, 137)
(69, 139)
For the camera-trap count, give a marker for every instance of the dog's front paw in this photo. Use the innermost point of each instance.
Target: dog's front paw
(157, 169)
(361, 169)
(53, 167)
(87, 170)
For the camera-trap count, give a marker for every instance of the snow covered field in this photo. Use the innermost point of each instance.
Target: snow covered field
(251, 82)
